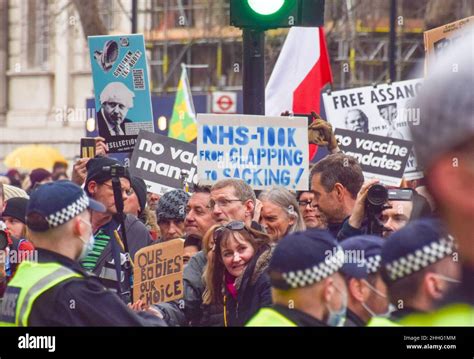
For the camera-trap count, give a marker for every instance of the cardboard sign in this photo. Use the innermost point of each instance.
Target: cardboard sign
(262, 151)
(440, 39)
(164, 163)
(122, 92)
(158, 273)
(380, 111)
(380, 157)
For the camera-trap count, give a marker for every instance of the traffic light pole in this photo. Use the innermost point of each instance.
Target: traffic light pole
(254, 71)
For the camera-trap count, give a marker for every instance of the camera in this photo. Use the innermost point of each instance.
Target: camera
(377, 198)
(115, 171)
(378, 195)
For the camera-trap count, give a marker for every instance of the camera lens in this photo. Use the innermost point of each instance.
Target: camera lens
(377, 195)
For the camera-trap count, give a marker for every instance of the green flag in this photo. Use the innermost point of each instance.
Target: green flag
(183, 124)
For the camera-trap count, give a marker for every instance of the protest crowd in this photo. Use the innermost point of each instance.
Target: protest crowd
(91, 246)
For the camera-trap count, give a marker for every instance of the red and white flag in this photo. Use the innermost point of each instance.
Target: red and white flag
(299, 75)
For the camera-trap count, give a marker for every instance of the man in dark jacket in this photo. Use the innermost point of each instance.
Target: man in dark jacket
(188, 311)
(115, 99)
(335, 182)
(101, 260)
(56, 291)
(393, 219)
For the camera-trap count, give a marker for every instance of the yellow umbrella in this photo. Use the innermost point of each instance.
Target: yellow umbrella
(30, 157)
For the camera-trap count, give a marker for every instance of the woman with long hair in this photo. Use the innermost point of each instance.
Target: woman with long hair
(280, 214)
(236, 274)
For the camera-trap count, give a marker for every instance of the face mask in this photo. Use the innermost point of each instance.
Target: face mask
(446, 278)
(391, 307)
(337, 318)
(388, 313)
(88, 246)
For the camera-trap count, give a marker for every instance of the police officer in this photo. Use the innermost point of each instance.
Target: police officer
(307, 289)
(444, 137)
(55, 290)
(419, 266)
(367, 291)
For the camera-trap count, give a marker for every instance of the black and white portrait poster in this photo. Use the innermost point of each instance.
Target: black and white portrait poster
(380, 110)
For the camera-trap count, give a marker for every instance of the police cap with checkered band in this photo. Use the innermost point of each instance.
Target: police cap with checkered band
(53, 204)
(413, 248)
(304, 258)
(363, 255)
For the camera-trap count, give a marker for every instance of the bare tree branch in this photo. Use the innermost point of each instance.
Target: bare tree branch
(91, 21)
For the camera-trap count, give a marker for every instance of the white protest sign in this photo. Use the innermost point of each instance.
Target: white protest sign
(262, 151)
(380, 110)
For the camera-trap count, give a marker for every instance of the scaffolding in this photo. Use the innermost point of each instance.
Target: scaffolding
(197, 32)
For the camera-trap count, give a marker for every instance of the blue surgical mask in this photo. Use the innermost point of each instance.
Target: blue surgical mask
(88, 246)
(337, 318)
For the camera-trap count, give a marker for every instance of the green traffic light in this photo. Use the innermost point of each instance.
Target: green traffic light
(266, 7)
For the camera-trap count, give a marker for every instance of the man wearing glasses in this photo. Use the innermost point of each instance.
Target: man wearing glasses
(233, 199)
(100, 261)
(312, 217)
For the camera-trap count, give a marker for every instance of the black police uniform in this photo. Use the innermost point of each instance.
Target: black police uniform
(353, 320)
(83, 302)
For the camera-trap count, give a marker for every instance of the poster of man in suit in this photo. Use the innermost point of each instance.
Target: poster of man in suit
(121, 88)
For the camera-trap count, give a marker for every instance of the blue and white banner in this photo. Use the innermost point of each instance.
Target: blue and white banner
(122, 91)
(262, 151)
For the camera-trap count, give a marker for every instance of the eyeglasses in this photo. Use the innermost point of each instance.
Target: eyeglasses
(233, 226)
(222, 202)
(128, 191)
(307, 203)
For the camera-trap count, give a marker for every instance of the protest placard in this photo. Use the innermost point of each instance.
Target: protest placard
(158, 272)
(262, 151)
(380, 157)
(440, 39)
(382, 110)
(163, 163)
(122, 92)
